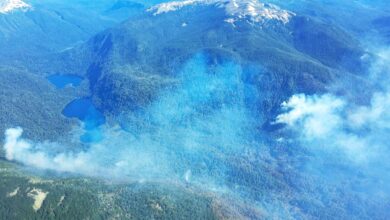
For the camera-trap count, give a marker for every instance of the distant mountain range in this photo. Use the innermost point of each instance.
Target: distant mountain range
(35, 28)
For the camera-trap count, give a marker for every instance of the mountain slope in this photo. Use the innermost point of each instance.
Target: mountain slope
(39, 28)
(29, 101)
(290, 53)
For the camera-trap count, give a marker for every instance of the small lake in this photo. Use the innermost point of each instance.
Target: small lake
(85, 111)
(61, 81)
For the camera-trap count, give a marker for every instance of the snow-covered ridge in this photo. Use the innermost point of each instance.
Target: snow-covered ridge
(236, 10)
(7, 6)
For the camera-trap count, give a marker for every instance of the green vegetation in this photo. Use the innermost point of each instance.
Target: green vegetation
(31, 102)
(81, 198)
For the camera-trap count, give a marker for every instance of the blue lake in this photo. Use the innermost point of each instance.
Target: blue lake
(84, 110)
(61, 81)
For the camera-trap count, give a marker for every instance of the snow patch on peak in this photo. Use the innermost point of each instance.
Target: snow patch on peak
(172, 6)
(256, 11)
(7, 6)
(253, 10)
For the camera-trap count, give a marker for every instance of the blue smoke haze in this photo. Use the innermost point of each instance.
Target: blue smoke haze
(190, 128)
(204, 132)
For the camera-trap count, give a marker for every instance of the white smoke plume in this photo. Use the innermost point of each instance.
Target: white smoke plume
(31, 154)
(331, 124)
